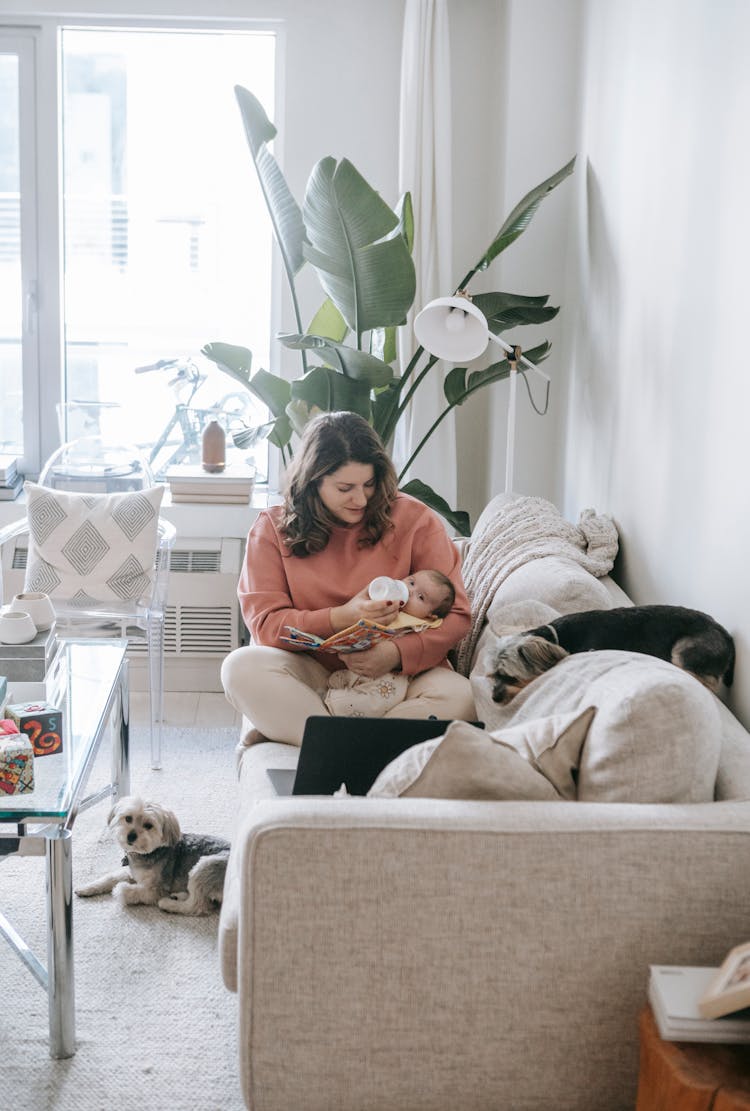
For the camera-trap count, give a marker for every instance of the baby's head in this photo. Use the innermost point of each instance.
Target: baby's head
(431, 594)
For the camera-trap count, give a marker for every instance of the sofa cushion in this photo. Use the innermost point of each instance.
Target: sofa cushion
(656, 736)
(92, 547)
(528, 762)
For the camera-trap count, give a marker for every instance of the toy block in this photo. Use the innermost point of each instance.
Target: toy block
(16, 764)
(41, 722)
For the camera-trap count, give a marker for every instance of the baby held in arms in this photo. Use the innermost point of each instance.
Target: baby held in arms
(424, 598)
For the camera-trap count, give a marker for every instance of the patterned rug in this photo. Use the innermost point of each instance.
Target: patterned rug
(155, 1026)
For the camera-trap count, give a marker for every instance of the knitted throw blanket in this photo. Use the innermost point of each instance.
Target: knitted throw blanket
(516, 532)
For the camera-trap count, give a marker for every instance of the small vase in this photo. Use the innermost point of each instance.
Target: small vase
(16, 628)
(38, 606)
(214, 449)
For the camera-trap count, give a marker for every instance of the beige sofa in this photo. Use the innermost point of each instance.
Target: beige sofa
(431, 954)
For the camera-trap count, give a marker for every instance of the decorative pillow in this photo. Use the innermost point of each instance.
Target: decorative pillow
(469, 763)
(656, 736)
(92, 547)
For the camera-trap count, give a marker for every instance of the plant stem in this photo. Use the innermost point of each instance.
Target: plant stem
(414, 386)
(423, 441)
(298, 318)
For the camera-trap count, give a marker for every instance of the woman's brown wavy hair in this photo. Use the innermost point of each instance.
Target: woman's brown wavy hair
(329, 442)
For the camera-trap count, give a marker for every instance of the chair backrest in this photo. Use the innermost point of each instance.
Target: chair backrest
(92, 465)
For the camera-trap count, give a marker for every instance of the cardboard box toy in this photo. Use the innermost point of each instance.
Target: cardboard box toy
(41, 722)
(16, 764)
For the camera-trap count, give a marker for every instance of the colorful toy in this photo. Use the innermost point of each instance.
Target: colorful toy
(41, 722)
(16, 763)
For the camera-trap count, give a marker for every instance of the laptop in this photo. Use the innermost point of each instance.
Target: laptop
(353, 751)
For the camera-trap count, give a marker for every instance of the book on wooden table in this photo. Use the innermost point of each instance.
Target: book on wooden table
(675, 992)
(729, 990)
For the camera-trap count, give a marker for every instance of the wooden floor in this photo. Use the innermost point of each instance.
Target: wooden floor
(186, 708)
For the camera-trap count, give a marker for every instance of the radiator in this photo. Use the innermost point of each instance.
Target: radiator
(202, 620)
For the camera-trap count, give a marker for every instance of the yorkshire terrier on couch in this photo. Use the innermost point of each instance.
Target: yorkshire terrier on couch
(687, 638)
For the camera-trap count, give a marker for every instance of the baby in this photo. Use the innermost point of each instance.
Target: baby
(431, 596)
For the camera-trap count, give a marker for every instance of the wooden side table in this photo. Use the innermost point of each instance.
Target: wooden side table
(690, 1076)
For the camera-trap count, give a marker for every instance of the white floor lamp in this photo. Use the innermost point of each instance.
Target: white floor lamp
(453, 328)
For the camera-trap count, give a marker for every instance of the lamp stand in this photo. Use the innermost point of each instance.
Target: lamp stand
(515, 358)
(511, 434)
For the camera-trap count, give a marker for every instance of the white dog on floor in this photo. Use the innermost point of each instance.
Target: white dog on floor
(182, 873)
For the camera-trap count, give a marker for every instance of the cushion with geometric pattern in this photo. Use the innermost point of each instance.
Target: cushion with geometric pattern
(92, 547)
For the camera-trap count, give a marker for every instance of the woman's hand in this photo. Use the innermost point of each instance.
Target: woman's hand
(361, 605)
(374, 662)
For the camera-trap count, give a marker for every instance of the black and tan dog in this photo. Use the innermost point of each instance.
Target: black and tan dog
(685, 637)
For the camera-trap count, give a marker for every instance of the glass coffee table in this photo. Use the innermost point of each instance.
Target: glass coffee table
(88, 681)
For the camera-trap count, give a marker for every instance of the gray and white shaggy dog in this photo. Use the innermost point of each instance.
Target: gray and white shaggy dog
(688, 638)
(182, 873)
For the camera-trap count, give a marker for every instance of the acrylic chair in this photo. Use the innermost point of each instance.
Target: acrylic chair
(89, 465)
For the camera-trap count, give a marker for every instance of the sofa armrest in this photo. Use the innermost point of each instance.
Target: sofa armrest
(440, 950)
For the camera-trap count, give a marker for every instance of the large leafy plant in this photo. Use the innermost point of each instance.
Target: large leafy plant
(360, 249)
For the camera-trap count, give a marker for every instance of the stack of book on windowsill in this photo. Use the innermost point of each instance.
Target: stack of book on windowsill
(11, 482)
(232, 486)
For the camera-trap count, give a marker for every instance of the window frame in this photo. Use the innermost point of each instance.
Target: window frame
(40, 112)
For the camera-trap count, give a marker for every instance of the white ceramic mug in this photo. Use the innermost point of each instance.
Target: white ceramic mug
(37, 605)
(16, 628)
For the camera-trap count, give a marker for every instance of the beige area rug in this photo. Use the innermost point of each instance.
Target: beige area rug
(155, 1026)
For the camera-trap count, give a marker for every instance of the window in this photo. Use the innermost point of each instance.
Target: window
(158, 238)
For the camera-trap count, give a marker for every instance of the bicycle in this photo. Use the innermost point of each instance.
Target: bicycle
(180, 439)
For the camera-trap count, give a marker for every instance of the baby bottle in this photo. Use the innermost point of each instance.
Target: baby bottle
(383, 589)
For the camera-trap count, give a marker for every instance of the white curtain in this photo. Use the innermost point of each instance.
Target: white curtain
(425, 171)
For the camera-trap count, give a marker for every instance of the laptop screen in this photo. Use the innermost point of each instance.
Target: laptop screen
(354, 751)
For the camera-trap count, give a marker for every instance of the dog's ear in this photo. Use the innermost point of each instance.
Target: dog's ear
(170, 827)
(121, 805)
(540, 654)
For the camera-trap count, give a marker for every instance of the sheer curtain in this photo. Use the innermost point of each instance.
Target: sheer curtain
(425, 171)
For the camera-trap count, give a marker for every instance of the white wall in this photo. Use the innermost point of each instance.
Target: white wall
(657, 428)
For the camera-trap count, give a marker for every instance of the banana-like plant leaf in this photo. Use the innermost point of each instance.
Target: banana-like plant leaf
(327, 390)
(359, 365)
(522, 214)
(367, 272)
(248, 437)
(458, 518)
(299, 412)
(405, 212)
(273, 391)
(383, 344)
(233, 360)
(284, 211)
(328, 322)
(282, 432)
(508, 310)
(384, 406)
(457, 387)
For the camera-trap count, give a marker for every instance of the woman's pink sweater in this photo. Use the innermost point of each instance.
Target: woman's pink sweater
(277, 589)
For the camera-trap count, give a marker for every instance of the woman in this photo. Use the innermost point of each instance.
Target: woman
(343, 522)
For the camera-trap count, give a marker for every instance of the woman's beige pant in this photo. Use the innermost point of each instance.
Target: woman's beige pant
(278, 691)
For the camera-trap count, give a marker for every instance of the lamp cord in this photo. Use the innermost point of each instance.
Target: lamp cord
(540, 412)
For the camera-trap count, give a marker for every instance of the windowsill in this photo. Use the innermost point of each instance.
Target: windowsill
(196, 519)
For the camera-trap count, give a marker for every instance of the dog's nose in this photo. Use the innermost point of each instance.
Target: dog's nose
(132, 836)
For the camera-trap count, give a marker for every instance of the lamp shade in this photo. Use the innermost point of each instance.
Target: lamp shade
(452, 328)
